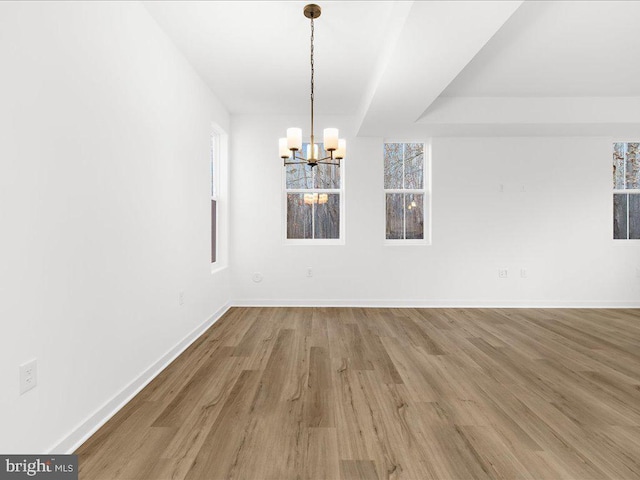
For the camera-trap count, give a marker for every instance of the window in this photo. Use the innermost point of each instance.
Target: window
(218, 175)
(406, 193)
(626, 190)
(214, 195)
(314, 203)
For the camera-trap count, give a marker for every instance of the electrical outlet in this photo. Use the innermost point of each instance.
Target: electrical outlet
(503, 273)
(28, 376)
(181, 298)
(309, 272)
(523, 273)
(257, 277)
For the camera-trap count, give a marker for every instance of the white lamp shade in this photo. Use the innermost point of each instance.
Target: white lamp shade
(294, 138)
(341, 150)
(330, 139)
(284, 150)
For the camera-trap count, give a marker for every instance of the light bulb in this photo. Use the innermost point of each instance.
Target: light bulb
(312, 154)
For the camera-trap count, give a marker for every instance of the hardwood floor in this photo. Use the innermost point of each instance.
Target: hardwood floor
(351, 393)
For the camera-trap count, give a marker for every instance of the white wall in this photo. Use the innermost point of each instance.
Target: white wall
(104, 209)
(559, 228)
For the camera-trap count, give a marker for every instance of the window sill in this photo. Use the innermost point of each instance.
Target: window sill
(405, 243)
(623, 242)
(336, 242)
(217, 268)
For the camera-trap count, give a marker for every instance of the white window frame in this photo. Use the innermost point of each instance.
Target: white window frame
(340, 191)
(622, 241)
(219, 191)
(426, 195)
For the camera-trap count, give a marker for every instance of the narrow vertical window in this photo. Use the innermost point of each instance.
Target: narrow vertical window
(626, 190)
(215, 187)
(406, 194)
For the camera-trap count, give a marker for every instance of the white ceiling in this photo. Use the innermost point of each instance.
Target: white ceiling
(391, 63)
(255, 54)
(553, 49)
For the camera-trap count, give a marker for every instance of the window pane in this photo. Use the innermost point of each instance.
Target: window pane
(327, 215)
(298, 216)
(633, 165)
(321, 173)
(634, 216)
(413, 165)
(212, 165)
(327, 176)
(299, 176)
(214, 229)
(392, 165)
(620, 215)
(619, 151)
(395, 216)
(414, 204)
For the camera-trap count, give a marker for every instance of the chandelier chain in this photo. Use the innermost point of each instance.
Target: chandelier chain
(292, 144)
(312, 77)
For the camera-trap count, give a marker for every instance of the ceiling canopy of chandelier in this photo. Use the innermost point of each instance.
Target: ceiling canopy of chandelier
(292, 144)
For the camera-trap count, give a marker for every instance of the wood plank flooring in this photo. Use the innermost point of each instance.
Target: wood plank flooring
(351, 393)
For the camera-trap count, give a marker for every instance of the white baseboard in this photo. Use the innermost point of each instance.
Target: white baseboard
(431, 304)
(82, 432)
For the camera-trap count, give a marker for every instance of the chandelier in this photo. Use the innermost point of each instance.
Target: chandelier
(292, 144)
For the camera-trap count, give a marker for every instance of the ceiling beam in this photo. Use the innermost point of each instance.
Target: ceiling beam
(429, 43)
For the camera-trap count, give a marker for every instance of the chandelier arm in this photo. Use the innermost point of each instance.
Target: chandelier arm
(299, 157)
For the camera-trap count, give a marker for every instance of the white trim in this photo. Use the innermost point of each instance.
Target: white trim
(433, 304)
(215, 268)
(618, 140)
(623, 191)
(630, 191)
(82, 432)
(221, 197)
(626, 242)
(407, 190)
(314, 190)
(404, 242)
(215, 186)
(313, 241)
